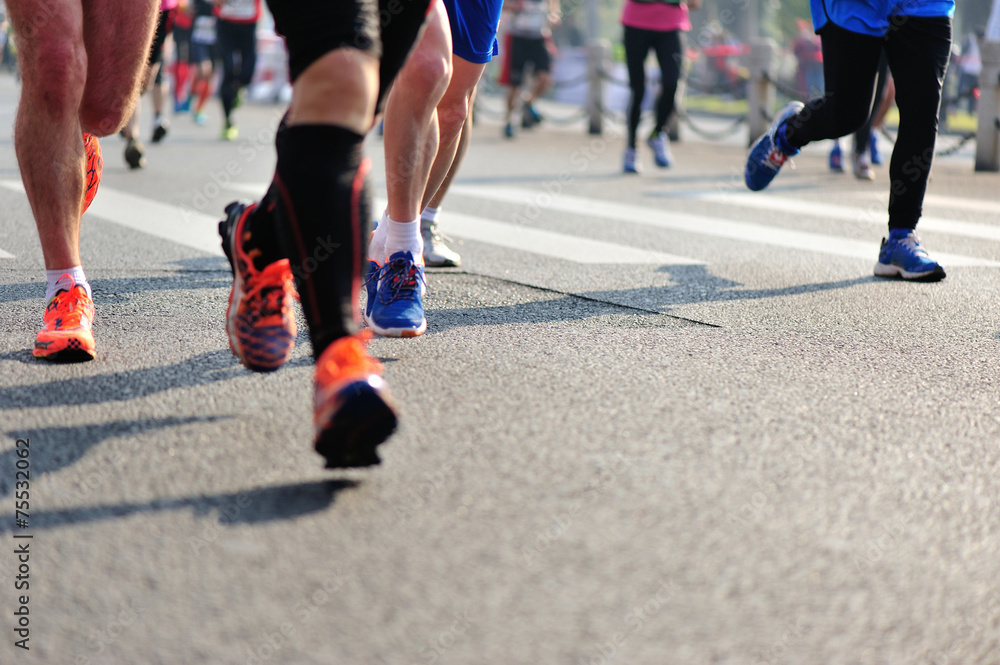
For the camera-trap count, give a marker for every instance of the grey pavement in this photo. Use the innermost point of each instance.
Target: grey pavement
(731, 444)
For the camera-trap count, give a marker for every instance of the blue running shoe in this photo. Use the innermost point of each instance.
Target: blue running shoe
(836, 158)
(371, 284)
(902, 256)
(371, 279)
(398, 308)
(873, 148)
(661, 150)
(631, 162)
(530, 117)
(766, 158)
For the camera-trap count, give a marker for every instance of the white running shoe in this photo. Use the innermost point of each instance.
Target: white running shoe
(436, 253)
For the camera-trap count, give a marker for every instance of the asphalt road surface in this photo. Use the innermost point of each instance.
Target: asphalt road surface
(654, 420)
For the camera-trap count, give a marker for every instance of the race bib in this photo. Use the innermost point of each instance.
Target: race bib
(203, 31)
(238, 10)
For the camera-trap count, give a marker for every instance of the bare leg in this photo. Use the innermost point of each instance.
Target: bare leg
(411, 120)
(59, 57)
(888, 99)
(464, 139)
(512, 93)
(453, 112)
(542, 80)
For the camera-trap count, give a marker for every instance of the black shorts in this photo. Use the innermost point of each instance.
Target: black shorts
(387, 29)
(163, 25)
(524, 50)
(199, 53)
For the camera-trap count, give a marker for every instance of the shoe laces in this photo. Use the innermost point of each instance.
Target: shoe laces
(911, 243)
(267, 291)
(67, 308)
(400, 279)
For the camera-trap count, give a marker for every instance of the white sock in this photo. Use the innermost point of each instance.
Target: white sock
(430, 214)
(404, 237)
(52, 283)
(376, 246)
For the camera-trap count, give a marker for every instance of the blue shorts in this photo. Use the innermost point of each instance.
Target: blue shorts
(874, 17)
(474, 28)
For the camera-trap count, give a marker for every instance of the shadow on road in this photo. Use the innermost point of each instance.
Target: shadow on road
(56, 448)
(252, 506)
(107, 289)
(209, 367)
(694, 285)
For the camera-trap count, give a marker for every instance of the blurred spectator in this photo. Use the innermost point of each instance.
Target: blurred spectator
(183, 24)
(530, 28)
(135, 151)
(809, 56)
(969, 64)
(236, 32)
(7, 58)
(655, 26)
(202, 55)
(723, 52)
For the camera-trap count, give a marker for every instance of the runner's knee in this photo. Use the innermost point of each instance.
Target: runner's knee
(103, 114)
(427, 74)
(56, 73)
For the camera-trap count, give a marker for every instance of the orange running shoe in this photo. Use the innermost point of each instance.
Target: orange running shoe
(353, 411)
(260, 320)
(66, 336)
(95, 167)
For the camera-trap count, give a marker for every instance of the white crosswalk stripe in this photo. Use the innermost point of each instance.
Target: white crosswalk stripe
(726, 228)
(875, 213)
(555, 245)
(5, 255)
(198, 230)
(182, 226)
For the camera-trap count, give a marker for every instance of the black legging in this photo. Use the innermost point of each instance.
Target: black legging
(917, 49)
(668, 53)
(237, 43)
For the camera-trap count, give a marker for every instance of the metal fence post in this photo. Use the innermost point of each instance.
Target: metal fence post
(760, 92)
(987, 130)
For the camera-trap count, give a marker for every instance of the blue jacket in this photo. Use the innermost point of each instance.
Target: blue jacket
(873, 17)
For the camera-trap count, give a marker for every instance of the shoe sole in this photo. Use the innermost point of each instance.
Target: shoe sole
(70, 353)
(446, 263)
(364, 421)
(883, 270)
(396, 332)
(135, 159)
